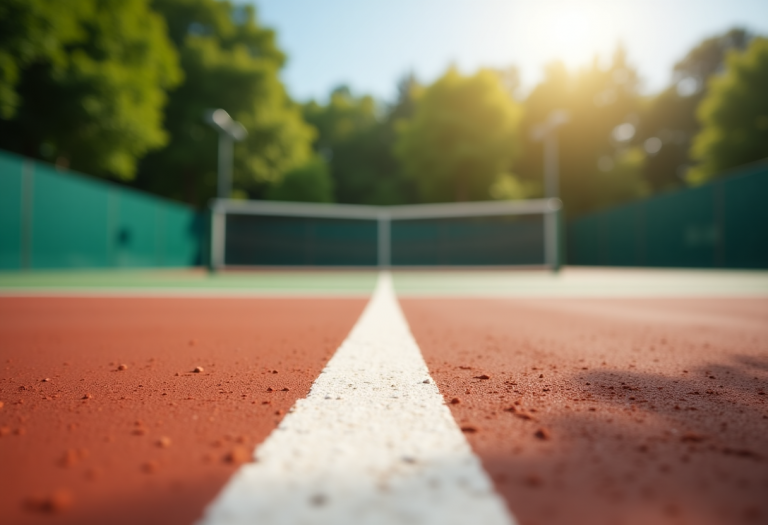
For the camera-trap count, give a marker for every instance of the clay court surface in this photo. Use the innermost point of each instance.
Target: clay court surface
(591, 397)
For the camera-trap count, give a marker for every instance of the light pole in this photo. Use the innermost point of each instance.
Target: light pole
(547, 132)
(229, 132)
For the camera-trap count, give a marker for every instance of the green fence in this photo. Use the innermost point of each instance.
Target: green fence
(723, 224)
(54, 219)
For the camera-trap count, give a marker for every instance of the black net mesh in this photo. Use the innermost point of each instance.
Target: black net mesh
(253, 240)
(258, 240)
(469, 241)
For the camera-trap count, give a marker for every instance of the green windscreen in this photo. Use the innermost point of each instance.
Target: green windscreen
(723, 224)
(11, 212)
(60, 219)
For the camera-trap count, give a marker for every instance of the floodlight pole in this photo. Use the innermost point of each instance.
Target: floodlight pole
(224, 182)
(229, 131)
(546, 132)
(551, 161)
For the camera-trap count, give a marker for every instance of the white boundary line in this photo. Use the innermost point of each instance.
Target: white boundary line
(372, 443)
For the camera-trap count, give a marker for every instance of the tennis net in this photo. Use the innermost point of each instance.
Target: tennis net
(497, 233)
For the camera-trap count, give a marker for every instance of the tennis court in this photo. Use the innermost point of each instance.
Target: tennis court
(587, 396)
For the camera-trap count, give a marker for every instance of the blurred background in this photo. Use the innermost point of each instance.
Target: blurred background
(391, 103)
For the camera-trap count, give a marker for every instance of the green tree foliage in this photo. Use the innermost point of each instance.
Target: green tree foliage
(463, 135)
(90, 87)
(669, 123)
(35, 31)
(598, 165)
(734, 115)
(229, 61)
(355, 136)
(311, 182)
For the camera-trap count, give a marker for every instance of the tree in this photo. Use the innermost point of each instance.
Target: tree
(230, 62)
(599, 163)
(355, 136)
(669, 123)
(89, 89)
(734, 115)
(311, 182)
(463, 135)
(31, 31)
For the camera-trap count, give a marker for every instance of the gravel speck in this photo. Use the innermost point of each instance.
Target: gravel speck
(59, 501)
(237, 455)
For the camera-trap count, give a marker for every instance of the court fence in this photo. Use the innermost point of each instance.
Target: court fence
(721, 224)
(60, 219)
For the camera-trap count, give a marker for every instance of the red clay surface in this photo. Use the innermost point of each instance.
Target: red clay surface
(85, 440)
(609, 411)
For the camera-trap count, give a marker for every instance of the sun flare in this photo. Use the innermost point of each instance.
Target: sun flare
(573, 33)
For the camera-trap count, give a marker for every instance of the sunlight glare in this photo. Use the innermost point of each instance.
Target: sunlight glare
(573, 33)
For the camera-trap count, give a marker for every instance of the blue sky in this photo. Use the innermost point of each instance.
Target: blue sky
(370, 44)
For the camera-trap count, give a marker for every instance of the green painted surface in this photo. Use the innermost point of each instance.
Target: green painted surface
(571, 282)
(267, 282)
(584, 282)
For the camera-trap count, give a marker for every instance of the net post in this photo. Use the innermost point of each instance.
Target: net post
(217, 237)
(560, 236)
(552, 235)
(384, 245)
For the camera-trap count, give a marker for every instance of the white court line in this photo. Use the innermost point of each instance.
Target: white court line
(372, 443)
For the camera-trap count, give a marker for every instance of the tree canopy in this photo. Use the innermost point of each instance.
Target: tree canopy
(311, 182)
(463, 136)
(734, 115)
(669, 123)
(87, 82)
(119, 89)
(356, 137)
(599, 162)
(229, 61)
(34, 31)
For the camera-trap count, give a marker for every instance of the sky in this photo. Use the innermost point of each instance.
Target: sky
(370, 45)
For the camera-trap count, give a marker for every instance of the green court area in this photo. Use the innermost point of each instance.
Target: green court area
(570, 282)
(182, 281)
(584, 282)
